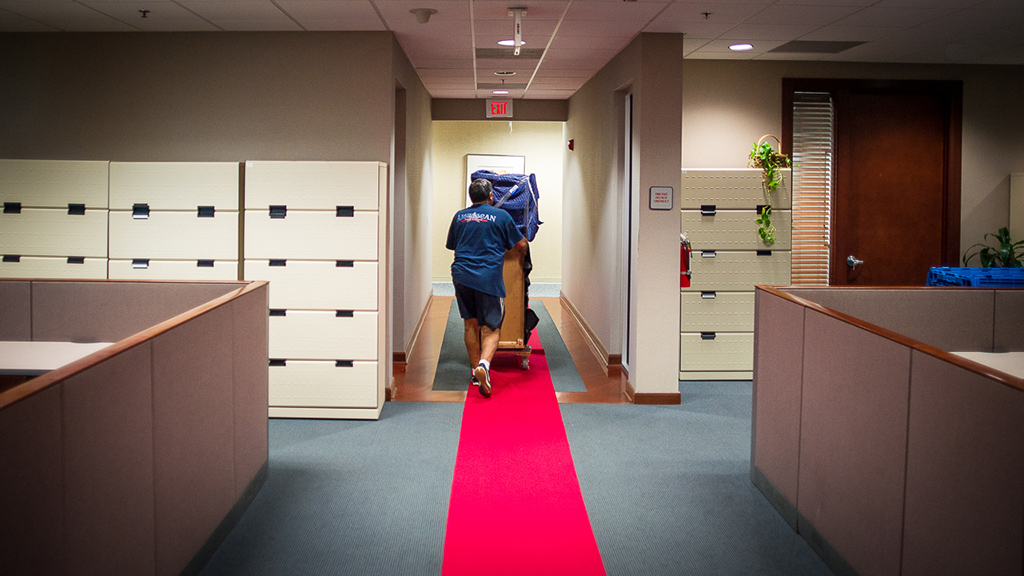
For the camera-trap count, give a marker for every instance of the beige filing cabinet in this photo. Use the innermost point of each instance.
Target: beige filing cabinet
(174, 220)
(317, 232)
(54, 219)
(718, 213)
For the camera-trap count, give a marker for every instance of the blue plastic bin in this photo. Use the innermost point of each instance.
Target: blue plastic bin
(990, 277)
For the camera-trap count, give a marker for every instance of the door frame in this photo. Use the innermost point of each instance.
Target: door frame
(952, 90)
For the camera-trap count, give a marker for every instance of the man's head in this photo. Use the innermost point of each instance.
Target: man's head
(480, 191)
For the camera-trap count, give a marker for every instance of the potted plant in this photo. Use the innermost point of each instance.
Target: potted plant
(771, 162)
(1008, 254)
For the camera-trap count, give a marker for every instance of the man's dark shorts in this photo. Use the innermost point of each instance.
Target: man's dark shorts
(489, 310)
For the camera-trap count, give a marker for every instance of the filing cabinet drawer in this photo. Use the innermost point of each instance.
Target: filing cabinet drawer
(313, 185)
(312, 383)
(731, 189)
(735, 229)
(54, 232)
(323, 335)
(53, 183)
(311, 235)
(174, 185)
(120, 269)
(725, 352)
(737, 271)
(53, 268)
(318, 284)
(174, 236)
(717, 311)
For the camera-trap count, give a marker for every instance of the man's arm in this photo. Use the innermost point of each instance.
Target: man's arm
(521, 245)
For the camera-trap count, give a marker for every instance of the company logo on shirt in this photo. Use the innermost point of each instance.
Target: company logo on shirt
(477, 217)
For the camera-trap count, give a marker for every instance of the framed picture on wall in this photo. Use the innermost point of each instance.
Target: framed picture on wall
(495, 163)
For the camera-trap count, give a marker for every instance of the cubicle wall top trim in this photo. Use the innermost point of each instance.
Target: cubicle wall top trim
(45, 381)
(980, 369)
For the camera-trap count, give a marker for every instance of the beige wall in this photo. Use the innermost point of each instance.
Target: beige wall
(593, 275)
(728, 105)
(540, 142)
(230, 97)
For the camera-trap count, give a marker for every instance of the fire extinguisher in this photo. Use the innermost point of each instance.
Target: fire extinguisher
(684, 261)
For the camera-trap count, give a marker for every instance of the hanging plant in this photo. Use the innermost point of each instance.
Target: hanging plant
(771, 163)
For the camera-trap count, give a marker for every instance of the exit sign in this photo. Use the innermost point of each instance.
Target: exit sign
(499, 108)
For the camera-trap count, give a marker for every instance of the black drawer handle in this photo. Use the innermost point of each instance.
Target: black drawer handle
(140, 211)
(707, 335)
(204, 263)
(344, 314)
(708, 254)
(345, 211)
(76, 259)
(278, 312)
(140, 263)
(709, 295)
(12, 207)
(278, 262)
(278, 211)
(278, 362)
(345, 264)
(206, 212)
(708, 209)
(11, 258)
(76, 209)
(343, 364)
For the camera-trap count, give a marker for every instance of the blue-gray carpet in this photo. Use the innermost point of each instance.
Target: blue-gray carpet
(348, 497)
(453, 362)
(667, 489)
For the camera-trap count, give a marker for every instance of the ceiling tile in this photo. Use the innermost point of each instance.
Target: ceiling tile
(785, 15)
(66, 15)
(153, 16)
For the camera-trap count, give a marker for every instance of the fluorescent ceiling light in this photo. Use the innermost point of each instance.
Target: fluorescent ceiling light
(741, 47)
(510, 42)
(500, 92)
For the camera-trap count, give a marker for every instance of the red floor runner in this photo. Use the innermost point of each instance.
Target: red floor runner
(516, 506)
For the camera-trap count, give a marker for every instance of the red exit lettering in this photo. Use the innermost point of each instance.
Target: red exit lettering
(499, 108)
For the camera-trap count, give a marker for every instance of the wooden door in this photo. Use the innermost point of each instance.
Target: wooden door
(896, 196)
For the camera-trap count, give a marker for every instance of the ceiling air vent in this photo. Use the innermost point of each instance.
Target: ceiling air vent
(814, 47)
(507, 53)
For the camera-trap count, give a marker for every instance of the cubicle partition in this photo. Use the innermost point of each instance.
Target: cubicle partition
(889, 453)
(138, 458)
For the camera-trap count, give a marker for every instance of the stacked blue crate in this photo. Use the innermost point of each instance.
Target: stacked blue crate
(989, 277)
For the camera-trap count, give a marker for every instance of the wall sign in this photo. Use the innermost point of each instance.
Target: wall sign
(661, 197)
(499, 107)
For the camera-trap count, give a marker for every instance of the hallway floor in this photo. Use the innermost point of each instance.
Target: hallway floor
(413, 381)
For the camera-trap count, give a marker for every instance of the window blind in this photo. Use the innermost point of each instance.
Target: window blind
(813, 145)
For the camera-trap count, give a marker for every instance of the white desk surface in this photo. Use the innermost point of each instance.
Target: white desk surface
(1010, 362)
(35, 358)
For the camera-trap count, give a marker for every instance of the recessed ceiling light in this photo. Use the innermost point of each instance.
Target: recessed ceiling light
(741, 47)
(500, 92)
(510, 42)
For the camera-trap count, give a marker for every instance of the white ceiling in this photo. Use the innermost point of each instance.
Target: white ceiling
(567, 41)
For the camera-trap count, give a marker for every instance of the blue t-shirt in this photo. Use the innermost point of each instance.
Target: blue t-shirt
(480, 236)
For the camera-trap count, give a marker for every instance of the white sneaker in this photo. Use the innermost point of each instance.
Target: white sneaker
(483, 376)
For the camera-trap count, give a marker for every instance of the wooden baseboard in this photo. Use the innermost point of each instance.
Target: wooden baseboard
(658, 398)
(609, 362)
(402, 356)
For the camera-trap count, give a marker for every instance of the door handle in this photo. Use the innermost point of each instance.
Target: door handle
(852, 262)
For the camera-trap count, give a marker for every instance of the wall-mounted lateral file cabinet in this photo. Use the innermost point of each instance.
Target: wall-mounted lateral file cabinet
(735, 229)
(311, 235)
(146, 269)
(718, 311)
(53, 221)
(174, 220)
(312, 185)
(50, 267)
(53, 232)
(717, 355)
(318, 284)
(170, 235)
(319, 334)
(317, 232)
(732, 189)
(174, 185)
(298, 385)
(718, 214)
(54, 183)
